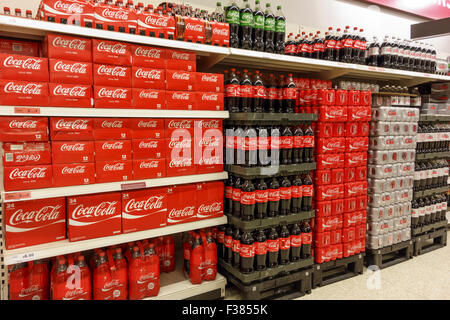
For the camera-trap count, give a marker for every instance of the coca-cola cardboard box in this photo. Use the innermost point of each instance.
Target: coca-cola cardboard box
(71, 12)
(14, 129)
(181, 100)
(330, 161)
(148, 99)
(356, 144)
(111, 75)
(26, 153)
(148, 57)
(210, 101)
(72, 151)
(60, 46)
(111, 52)
(108, 150)
(115, 18)
(181, 60)
(94, 216)
(330, 145)
(29, 223)
(194, 30)
(355, 159)
(179, 128)
(112, 129)
(330, 192)
(208, 153)
(112, 97)
(144, 128)
(73, 174)
(25, 68)
(180, 81)
(220, 34)
(73, 72)
(70, 95)
(78, 129)
(209, 127)
(148, 78)
(148, 149)
(111, 171)
(209, 200)
(144, 209)
(23, 93)
(23, 47)
(209, 82)
(27, 177)
(180, 166)
(181, 204)
(149, 169)
(156, 25)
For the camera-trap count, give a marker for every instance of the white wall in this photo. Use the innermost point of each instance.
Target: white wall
(316, 15)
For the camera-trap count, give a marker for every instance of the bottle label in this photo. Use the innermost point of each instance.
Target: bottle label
(296, 240)
(374, 51)
(348, 43)
(308, 141)
(228, 242)
(259, 22)
(229, 192)
(261, 196)
(286, 142)
(233, 17)
(236, 245)
(415, 213)
(292, 48)
(259, 92)
(236, 194)
(401, 52)
(246, 91)
(251, 143)
(298, 142)
(260, 248)
(232, 90)
(273, 93)
(247, 198)
(280, 94)
(263, 143)
(273, 246)
(221, 237)
(395, 51)
(285, 243)
(363, 45)
(274, 195)
(296, 191)
(330, 44)
(306, 237)
(386, 50)
(269, 24)
(319, 47)
(357, 44)
(417, 175)
(247, 19)
(247, 250)
(305, 48)
(285, 193)
(307, 190)
(338, 45)
(280, 26)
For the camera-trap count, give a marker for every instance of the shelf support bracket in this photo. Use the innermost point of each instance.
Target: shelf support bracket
(207, 62)
(414, 82)
(332, 74)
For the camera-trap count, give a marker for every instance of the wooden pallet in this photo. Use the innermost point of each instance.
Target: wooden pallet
(337, 270)
(430, 241)
(391, 255)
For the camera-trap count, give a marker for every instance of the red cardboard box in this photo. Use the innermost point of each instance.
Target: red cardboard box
(149, 169)
(355, 159)
(221, 34)
(109, 150)
(361, 174)
(354, 97)
(330, 192)
(180, 80)
(351, 129)
(148, 78)
(144, 209)
(181, 100)
(149, 57)
(13, 129)
(210, 101)
(70, 95)
(156, 25)
(111, 171)
(323, 209)
(350, 204)
(194, 30)
(322, 239)
(359, 114)
(111, 52)
(179, 127)
(60, 46)
(181, 204)
(331, 145)
(148, 149)
(356, 144)
(26, 154)
(29, 223)
(115, 18)
(112, 97)
(72, 151)
(323, 177)
(213, 127)
(209, 82)
(333, 114)
(147, 128)
(23, 47)
(335, 236)
(70, 72)
(181, 60)
(111, 75)
(94, 216)
(361, 203)
(62, 11)
(27, 177)
(79, 129)
(324, 130)
(73, 174)
(209, 200)
(112, 129)
(23, 93)
(330, 161)
(337, 176)
(337, 206)
(148, 99)
(363, 129)
(350, 174)
(355, 189)
(348, 235)
(24, 68)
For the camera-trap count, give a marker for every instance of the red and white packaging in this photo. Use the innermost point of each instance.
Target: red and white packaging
(112, 129)
(323, 177)
(146, 128)
(179, 127)
(331, 145)
(353, 189)
(115, 18)
(210, 101)
(73, 174)
(23, 47)
(209, 200)
(194, 30)
(349, 174)
(111, 75)
(70, 95)
(181, 60)
(112, 97)
(79, 129)
(221, 34)
(148, 99)
(72, 151)
(180, 80)
(23, 93)
(356, 144)
(111, 52)
(209, 82)
(29, 223)
(333, 114)
(355, 159)
(181, 204)
(94, 216)
(337, 176)
(156, 25)
(71, 12)
(359, 113)
(148, 57)
(109, 150)
(24, 68)
(148, 149)
(180, 159)
(330, 161)
(14, 129)
(337, 206)
(181, 100)
(149, 169)
(70, 72)
(27, 177)
(144, 209)
(60, 46)
(26, 153)
(111, 171)
(209, 127)
(323, 209)
(330, 192)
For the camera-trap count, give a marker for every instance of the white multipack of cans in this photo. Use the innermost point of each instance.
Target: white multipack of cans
(392, 142)
(396, 114)
(388, 239)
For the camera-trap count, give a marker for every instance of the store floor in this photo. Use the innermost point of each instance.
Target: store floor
(426, 277)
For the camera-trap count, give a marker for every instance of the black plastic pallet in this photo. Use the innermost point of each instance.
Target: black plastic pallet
(270, 222)
(337, 270)
(433, 155)
(429, 192)
(389, 256)
(270, 171)
(430, 241)
(428, 228)
(434, 118)
(266, 118)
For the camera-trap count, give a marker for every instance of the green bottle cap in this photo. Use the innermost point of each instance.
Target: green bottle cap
(279, 7)
(267, 5)
(219, 3)
(257, 2)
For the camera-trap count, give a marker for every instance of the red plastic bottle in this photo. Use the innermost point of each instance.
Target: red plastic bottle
(40, 280)
(84, 292)
(120, 274)
(196, 262)
(169, 254)
(102, 281)
(152, 271)
(18, 281)
(136, 275)
(210, 270)
(59, 275)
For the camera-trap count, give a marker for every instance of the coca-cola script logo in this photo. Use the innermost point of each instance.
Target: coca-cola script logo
(106, 208)
(27, 124)
(26, 89)
(148, 94)
(76, 147)
(116, 48)
(28, 63)
(149, 165)
(115, 14)
(210, 208)
(79, 124)
(113, 93)
(156, 21)
(74, 170)
(120, 166)
(209, 124)
(149, 74)
(147, 124)
(28, 157)
(151, 203)
(180, 124)
(112, 124)
(78, 92)
(210, 78)
(44, 214)
(76, 67)
(224, 32)
(181, 76)
(33, 173)
(179, 144)
(69, 7)
(180, 214)
(194, 27)
(148, 52)
(181, 56)
(181, 96)
(148, 144)
(113, 71)
(181, 162)
(210, 97)
(117, 145)
(74, 44)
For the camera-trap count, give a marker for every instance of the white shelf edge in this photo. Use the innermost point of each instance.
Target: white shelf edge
(108, 113)
(185, 289)
(64, 247)
(113, 186)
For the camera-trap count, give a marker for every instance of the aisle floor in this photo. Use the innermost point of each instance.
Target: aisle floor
(426, 277)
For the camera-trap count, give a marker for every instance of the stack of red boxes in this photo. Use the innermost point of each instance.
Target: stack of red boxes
(341, 176)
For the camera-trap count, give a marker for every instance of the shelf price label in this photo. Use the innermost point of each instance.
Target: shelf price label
(133, 186)
(24, 257)
(27, 110)
(14, 196)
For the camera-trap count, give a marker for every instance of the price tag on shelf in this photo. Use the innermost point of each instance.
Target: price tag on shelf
(24, 257)
(133, 186)
(14, 196)
(372, 68)
(27, 110)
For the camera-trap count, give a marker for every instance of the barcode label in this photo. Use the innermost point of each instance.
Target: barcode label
(9, 157)
(16, 147)
(17, 47)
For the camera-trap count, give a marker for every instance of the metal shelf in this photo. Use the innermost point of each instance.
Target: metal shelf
(433, 155)
(64, 247)
(269, 171)
(13, 196)
(271, 117)
(434, 118)
(429, 192)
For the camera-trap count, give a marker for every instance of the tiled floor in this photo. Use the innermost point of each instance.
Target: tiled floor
(423, 277)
